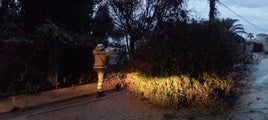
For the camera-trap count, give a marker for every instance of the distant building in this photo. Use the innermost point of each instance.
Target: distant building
(262, 36)
(261, 39)
(264, 40)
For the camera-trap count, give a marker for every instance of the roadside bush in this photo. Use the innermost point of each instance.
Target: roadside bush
(201, 52)
(20, 70)
(194, 49)
(257, 47)
(180, 91)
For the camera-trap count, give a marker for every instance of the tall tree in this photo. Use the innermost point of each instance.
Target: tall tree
(231, 26)
(212, 9)
(125, 17)
(140, 17)
(9, 9)
(9, 16)
(250, 36)
(75, 15)
(103, 23)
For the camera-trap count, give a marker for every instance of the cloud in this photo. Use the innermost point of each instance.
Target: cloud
(257, 17)
(198, 8)
(254, 11)
(244, 11)
(246, 3)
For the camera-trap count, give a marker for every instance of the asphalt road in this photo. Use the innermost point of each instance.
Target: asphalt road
(253, 104)
(116, 105)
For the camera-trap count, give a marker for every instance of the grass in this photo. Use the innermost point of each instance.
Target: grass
(180, 91)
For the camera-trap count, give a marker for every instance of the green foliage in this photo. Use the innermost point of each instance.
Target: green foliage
(191, 64)
(52, 50)
(19, 65)
(194, 49)
(75, 15)
(46, 42)
(67, 53)
(31, 88)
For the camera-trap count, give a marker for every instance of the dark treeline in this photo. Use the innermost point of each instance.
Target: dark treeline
(47, 43)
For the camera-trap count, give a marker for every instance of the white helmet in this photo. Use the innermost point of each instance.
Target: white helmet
(100, 46)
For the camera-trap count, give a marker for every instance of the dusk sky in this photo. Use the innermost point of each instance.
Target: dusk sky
(253, 11)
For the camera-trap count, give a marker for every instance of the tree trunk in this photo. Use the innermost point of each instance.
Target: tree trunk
(212, 9)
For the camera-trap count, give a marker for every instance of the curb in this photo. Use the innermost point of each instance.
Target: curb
(24, 101)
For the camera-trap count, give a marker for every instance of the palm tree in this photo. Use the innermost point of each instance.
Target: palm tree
(212, 9)
(231, 26)
(250, 36)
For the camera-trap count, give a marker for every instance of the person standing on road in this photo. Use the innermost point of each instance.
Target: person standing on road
(100, 57)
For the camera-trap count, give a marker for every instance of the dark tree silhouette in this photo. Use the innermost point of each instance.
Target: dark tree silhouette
(75, 15)
(138, 19)
(212, 9)
(103, 23)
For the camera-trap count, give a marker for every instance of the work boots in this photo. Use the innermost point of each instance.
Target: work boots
(101, 94)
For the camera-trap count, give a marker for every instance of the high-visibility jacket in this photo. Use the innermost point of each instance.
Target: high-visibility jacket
(100, 57)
